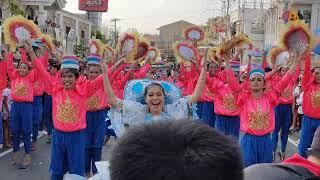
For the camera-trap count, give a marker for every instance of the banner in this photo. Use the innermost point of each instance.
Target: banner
(93, 5)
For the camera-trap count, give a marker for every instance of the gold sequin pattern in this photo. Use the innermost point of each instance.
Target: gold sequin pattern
(93, 103)
(315, 99)
(259, 120)
(21, 89)
(229, 102)
(67, 112)
(286, 94)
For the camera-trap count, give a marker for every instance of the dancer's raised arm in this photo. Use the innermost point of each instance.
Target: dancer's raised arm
(112, 99)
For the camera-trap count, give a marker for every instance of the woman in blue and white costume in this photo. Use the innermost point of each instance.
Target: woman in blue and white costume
(147, 101)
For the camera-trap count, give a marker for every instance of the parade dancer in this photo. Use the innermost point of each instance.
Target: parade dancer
(257, 119)
(69, 117)
(53, 71)
(3, 85)
(226, 110)
(97, 109)
(38, 89)
(150, 101)
(21, 109)
(311, 105)
(283, 112)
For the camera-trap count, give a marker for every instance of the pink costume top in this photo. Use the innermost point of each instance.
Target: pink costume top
(142, 72)
(118, 80)
(68, 106)
(224, 97)
(257, 114)
(311, 95)
(98, 101)
(38, 86)
(22, 87)
(286, 96)
(3, 75)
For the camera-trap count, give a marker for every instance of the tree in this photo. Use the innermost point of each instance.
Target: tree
(98, 34)
(13, 7)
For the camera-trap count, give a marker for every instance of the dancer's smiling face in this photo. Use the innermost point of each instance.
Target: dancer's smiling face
(69, 78)
(154, 97)
(23, 69)
(93, 71)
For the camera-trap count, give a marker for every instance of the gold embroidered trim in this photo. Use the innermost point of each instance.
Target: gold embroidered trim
(21, 89)
(315, 99)
(229, 102)
(93, 103)
(67, 112)
(259, 120)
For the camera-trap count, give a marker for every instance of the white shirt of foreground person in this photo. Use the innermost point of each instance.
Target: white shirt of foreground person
(103, 173)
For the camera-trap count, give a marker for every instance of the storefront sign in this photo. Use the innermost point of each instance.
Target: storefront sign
(93, 5)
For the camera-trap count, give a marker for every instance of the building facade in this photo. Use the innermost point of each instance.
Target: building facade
(308, 11)
(96, 20)
(170, 33)
(52, 19)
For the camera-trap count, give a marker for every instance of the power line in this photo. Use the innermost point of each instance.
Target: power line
(115, 20)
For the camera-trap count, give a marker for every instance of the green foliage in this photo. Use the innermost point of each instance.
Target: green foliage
(98, 34)
(80, 50)
(14, 8)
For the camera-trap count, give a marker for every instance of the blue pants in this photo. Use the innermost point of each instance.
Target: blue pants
(21, 124)
(37, 116)
(283, 114)
(205, 111)
(1, 130)
(67, 153)
(95, 133)
(229, 125)
(48, 113)
(256, 149)
(308, 128)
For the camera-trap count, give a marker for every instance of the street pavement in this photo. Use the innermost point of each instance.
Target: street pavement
(41, 161)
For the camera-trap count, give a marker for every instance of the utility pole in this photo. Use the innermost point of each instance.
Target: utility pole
(115, 20)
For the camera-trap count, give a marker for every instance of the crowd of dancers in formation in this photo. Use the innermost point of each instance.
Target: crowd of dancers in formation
(128, 86)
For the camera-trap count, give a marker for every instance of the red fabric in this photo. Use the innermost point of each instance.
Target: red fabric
(3, 74)
(310, 104)
(224, 97)
(22, 87)
(142, 72)
(253, 110)
(68, 106)
(39, 85)
(300, 161)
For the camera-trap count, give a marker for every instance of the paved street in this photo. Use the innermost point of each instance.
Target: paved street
(41, 161)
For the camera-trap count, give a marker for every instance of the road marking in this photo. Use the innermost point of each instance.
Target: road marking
(10, 150)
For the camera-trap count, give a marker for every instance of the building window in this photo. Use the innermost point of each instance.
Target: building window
(30, 13)
(257, 28)
(83, 34)
(305, 15)
(68, 29)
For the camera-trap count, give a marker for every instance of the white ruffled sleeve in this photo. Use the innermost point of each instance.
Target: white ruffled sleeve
(181, 109)
(129, 112)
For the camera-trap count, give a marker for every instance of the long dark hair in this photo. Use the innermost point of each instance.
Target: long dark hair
(146, 90)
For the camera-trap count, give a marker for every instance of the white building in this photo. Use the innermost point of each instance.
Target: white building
(96, 19)
(246, 16)
(309, 11)
(53, 20)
